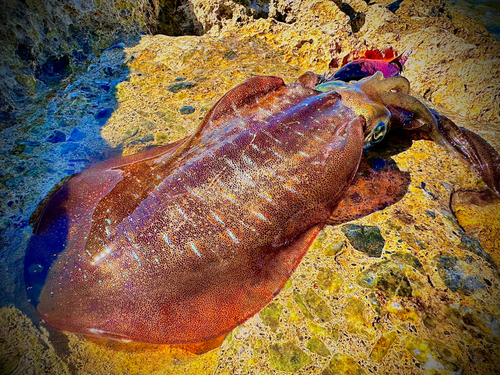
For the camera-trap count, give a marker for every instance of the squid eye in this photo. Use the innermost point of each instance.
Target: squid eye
(378, 132)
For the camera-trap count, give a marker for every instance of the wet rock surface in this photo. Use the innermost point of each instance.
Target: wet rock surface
(425, 300)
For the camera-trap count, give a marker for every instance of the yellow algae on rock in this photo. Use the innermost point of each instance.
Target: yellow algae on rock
(434, 356)
(95, 356)
(358, 321)
(478, 212)
(343, 365)
(167, 73)
(382, 346)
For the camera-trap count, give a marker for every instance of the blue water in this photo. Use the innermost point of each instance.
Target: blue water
(485, 11)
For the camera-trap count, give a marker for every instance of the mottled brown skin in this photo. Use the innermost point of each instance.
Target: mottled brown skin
(371, 190)
(182, 246)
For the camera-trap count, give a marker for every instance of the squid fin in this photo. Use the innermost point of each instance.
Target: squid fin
(371, 191)
(229, 302)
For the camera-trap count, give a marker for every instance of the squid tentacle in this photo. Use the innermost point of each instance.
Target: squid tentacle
(393, 93)
(377, 84)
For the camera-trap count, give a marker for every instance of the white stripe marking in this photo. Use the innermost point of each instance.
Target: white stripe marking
(195, 249)
(233, 237)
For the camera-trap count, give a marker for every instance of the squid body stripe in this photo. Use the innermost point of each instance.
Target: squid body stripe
(167, 240)
(195, 249)
(266, 112)
(278, 154)
(265, 196)
(271, 136)
(242, 176)
(218, 218)
(233, 237)
(248, 161)
(184, 215)
(136, 257)
(291, 189)
(230, 163)
(190, 190)
(260, 215)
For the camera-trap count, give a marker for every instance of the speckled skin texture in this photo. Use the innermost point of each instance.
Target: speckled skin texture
(184, 243)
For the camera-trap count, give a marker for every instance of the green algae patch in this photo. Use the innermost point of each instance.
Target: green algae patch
(287, 357)
(454, 274)
(434, 355)
(299, 300)
(365, 238)
(318, 306)
(317, 346)
(343, 365)
(382, 346)
(329, 281)
(357, 319)
(333, 249)
(270, 315)
(322, 332)
(408, 259)
(388, 277)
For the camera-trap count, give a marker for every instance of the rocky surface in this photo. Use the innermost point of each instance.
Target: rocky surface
(424, 301)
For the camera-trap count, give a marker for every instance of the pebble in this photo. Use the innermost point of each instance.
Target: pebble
(57, 137)
(186, 110)
(452, 273)
(116, 46)
(366, 239)
(176, 87)
(103, 115)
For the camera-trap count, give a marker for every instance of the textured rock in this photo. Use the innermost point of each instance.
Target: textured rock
(478, 212)
(45, 42)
